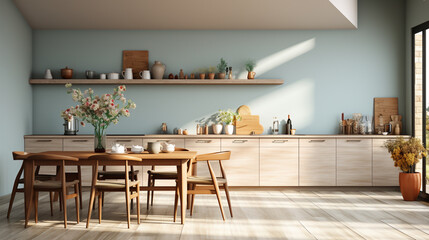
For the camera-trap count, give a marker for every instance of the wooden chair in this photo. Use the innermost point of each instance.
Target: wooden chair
(61, 185)
(19, 180)
(131, 187)
(154, 175)
(208, 185)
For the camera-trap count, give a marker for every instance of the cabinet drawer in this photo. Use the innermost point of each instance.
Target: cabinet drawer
(279, 142)
(79, 144)
(179, 142)
(128, 142)
(317, 142)
(43, 144)
(358, 143)
(191, 143)
(384, 173)
(240, 142)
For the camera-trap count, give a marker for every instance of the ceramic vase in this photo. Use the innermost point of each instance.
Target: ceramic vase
(158, 70)
(217, 128)
(251, 75)
(229, 129)
(99, 139)
(409, 184)
(48, 74)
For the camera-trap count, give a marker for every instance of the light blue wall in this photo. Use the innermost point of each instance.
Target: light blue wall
(326, 72)
(417, 12)
(15, 97)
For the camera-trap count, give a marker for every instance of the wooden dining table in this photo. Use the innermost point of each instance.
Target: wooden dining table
(177, 158)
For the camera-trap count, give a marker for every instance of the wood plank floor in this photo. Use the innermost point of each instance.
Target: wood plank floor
(258, 214)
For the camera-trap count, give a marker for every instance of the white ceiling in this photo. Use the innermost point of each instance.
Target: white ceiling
(190, 14)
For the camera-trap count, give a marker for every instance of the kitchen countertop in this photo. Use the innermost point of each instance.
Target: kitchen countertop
(160, 136)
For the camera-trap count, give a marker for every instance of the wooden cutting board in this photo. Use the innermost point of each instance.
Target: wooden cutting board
(248, 123)
(386, 107)
(137, 60)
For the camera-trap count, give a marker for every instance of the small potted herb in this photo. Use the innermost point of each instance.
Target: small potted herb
(228, 118)
(250, 66)
(221, 68)
(211, 71)
(202, 72)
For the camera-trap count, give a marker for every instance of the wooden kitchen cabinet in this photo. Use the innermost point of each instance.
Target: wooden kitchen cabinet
(279, 162)
(80, 144)
(243, 167)
(354, 162)
(34, 145)
(317, 162)
(202, 146)
(384, 173)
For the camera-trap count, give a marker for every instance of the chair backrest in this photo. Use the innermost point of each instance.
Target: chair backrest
(16, 154)
(224, 155)
(181, 149)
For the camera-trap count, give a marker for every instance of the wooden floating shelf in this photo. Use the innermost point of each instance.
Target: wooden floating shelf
(157, 81)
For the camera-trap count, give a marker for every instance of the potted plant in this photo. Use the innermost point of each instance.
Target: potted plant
(250, 65)
(221, 68)
(211, 71)
(228, 117)
(99, 111)
(202, 72)
(406, 154)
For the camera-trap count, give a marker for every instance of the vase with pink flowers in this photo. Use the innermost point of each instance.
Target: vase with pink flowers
(99, 111)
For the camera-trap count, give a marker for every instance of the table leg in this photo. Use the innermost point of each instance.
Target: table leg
(28, 188)
(183, 190)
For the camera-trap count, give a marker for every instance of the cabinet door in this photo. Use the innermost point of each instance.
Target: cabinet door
(80, 144)
(202, 146)
(384, 173)
(279, 162)
(354, 162)
(179, 142)
(317, 162)
(243, 167)
(34, 145)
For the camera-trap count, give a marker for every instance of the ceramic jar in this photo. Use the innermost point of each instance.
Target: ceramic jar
(158, 70)
(67, 73)
(154, 147)
(217, 128)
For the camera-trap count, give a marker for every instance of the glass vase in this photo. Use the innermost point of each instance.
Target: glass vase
(99, 139)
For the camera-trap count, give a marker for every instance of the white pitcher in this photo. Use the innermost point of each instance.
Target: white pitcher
(128, 73)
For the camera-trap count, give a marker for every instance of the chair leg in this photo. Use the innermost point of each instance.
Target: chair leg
(60, 201)
(149, 184)
(151, 197)
(176, 201)
(138, 203)
(51, 202)
(102, 198)
(100, 206)
(127, 198)
(219, 200)
(225, 186)
(76, 190)
(36, 204)
(15, 187)
(91, 204)
(64, 200)
(80, 194)
(194, 187)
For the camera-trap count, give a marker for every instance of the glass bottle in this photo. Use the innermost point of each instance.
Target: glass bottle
(275, 126)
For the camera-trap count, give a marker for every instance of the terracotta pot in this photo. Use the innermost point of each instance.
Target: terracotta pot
(67, 73)
(158, 70)
(410, 185)
(251, 75)
(202, 75)
(211, 75)
(221, 75)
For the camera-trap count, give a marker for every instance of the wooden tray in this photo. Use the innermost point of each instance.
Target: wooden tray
(386, 107)
(137, 60)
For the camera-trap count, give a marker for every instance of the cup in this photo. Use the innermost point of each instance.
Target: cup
(145, 74)
(293, 131)
(136, 149)
(103, 76)
(113, 75)
(154, 147)
(89, 74)
(118, 148)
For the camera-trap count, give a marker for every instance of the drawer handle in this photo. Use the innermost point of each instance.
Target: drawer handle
(239, 141)
(80, 141)
(317, 141)
(280, 141)
(125, 140)
(355, 140)
(203, 141)
(163, 140)
(44, 140)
